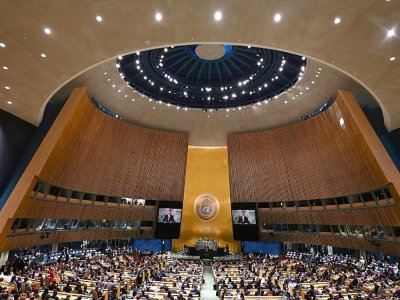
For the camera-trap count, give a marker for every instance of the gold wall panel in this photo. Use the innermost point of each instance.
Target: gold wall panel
(206, 174)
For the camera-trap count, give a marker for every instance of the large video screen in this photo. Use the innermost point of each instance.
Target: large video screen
(168, 225)
(169, 215)
(244, 221)
(244, 217)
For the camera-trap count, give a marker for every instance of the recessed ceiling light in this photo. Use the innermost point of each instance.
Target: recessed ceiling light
(43, 55)
(277, 17)
(391, 33)
(392, 58)
(158, 17)
(2, 45)
(337, 20)
(7, 87)
(5, 68)
(99, 18)
(47, 30)
(9, 102)
(217, 16)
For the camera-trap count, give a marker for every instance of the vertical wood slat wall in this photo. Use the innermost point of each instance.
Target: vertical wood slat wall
(101, 155)
(21, 241)
(313, 159)
(388, 247)
(36, 209)
(86, 150)
(376, 216)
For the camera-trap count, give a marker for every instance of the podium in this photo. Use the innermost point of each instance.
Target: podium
(203, 244)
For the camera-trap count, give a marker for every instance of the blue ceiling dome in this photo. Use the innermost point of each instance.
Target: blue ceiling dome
(211, 76)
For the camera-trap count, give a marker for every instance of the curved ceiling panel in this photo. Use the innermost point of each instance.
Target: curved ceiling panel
(364, 44)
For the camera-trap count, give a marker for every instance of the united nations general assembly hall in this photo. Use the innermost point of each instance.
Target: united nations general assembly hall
(199, 150)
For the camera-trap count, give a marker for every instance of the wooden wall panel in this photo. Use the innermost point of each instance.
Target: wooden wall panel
(335, 241)
(382, 216)
(38, 209)
(28, 240)
(106, 156)
(312, 159)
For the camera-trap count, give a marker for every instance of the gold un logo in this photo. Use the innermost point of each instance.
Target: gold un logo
(206, 207)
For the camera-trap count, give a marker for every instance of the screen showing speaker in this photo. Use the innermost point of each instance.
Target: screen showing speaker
(169, 218)
(244, 221)
(244, 217)
(169, 215)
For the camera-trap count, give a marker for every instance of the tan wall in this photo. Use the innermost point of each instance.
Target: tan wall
(206, 173)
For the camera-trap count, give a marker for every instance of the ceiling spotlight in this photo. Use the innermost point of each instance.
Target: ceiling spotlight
(7, 87)
(391, 33)
(391, 59)
(217, 16)
(2, 45)
(5, 68)
(337, 20)
(9, 102)
(158, 17)
(99, 18)
(277, 18)
(47, 30)
(43, 55)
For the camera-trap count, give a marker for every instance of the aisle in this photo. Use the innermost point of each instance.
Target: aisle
(207, 292)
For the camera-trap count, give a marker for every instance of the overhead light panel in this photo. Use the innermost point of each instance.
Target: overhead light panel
(158, 16)
(217, 16)
(277, 18)
(391, 33)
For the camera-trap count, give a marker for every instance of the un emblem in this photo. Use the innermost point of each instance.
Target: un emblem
(206, 207)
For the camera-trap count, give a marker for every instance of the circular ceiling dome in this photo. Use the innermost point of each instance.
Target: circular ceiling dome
(211, 76)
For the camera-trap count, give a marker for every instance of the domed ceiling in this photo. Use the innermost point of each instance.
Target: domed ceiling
(73, 43)
(211, 76)
(142, 103)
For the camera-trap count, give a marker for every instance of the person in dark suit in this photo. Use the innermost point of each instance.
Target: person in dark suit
(168, 217)
(243, 219)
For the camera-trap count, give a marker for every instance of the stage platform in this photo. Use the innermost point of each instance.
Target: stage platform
(231, 256)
